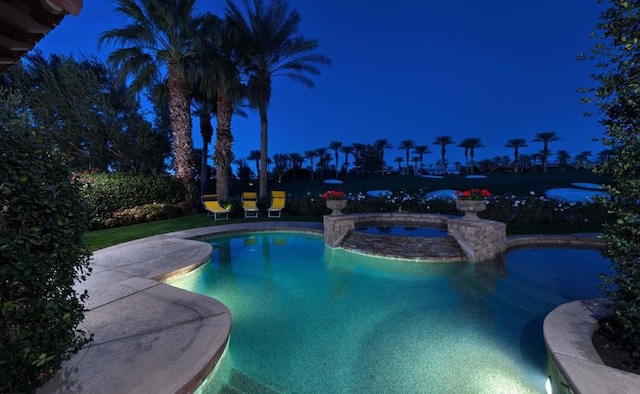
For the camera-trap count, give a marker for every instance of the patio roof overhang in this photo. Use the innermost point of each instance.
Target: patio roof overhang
(25, 22)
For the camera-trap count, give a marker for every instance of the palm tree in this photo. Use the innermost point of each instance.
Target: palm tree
(415, 160)
(310, 155)
(203, 110)
(296, 163)
(347, 150)
(204, 97)
(335, 145)
(545, 137)
(321, 152)
(221, 78)
(516, 144)
(255, 156)
(358, 148)
(525, 161)
(470, 145)
(582, 158)
(281, 161)
(270, 32)
(421, 150)
(563, 158)
(399, 160)
(407, 145)
(380, 146)
(161, 35)
(535, 157)
(443, 141)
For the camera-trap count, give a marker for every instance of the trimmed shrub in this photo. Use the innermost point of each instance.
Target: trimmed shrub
(144, 213)
(109, 193)
(42, 256)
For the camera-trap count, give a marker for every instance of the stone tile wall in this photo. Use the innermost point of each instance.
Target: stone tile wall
(336, 227)
(480, 239)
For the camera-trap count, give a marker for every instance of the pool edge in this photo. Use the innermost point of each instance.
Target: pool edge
(567, 334)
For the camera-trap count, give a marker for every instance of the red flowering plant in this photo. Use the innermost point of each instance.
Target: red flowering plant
(473, 194)
(333, 195)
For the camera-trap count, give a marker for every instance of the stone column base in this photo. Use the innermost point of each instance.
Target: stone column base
(336, 228)
(479, 239)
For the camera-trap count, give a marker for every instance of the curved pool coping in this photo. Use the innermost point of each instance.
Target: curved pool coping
(150, 337)
(567, 335)
(153, 337)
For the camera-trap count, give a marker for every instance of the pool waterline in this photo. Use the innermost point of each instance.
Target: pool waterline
(359, 307)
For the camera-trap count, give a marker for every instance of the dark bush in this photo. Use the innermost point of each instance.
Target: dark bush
(42, 256)
(109, 193)
(518, 212)
(144, 213)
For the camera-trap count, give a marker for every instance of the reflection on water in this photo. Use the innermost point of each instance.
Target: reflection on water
(477, 282)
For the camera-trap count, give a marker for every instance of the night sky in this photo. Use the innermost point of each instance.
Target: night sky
(415, 69)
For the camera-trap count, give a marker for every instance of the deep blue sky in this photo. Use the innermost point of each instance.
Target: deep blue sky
(415, 69)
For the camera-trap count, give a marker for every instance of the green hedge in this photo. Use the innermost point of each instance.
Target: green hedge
(144, 213)
(42, 256)
(106, 194)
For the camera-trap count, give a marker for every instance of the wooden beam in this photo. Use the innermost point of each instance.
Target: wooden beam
(7, 60)
(71, 6)
(14, 17)
(13, 45)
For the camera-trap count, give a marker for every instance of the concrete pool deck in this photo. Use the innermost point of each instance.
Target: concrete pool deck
(150, 337)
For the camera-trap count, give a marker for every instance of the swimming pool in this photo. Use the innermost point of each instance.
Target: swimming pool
(308, 319)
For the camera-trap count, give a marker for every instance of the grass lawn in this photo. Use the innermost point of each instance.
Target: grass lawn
(103, 238)
(521, 183)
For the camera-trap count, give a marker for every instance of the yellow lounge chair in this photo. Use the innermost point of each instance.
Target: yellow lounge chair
(277, 204)
(212, 205)
(249, 204)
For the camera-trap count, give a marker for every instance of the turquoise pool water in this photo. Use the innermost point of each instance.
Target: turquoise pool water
(310, 319)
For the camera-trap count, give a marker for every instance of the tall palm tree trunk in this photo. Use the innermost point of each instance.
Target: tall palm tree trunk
(407, 161)
(180, 115)
(224, 140)
(264, 126)
(466, 160)
(443, 151)
(207, 132)
(473, 163)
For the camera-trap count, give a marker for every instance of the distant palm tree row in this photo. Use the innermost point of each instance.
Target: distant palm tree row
(362, 157)
(220, 63)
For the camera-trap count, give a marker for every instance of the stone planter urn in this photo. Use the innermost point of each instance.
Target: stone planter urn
(336, 206)
(471, 208)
